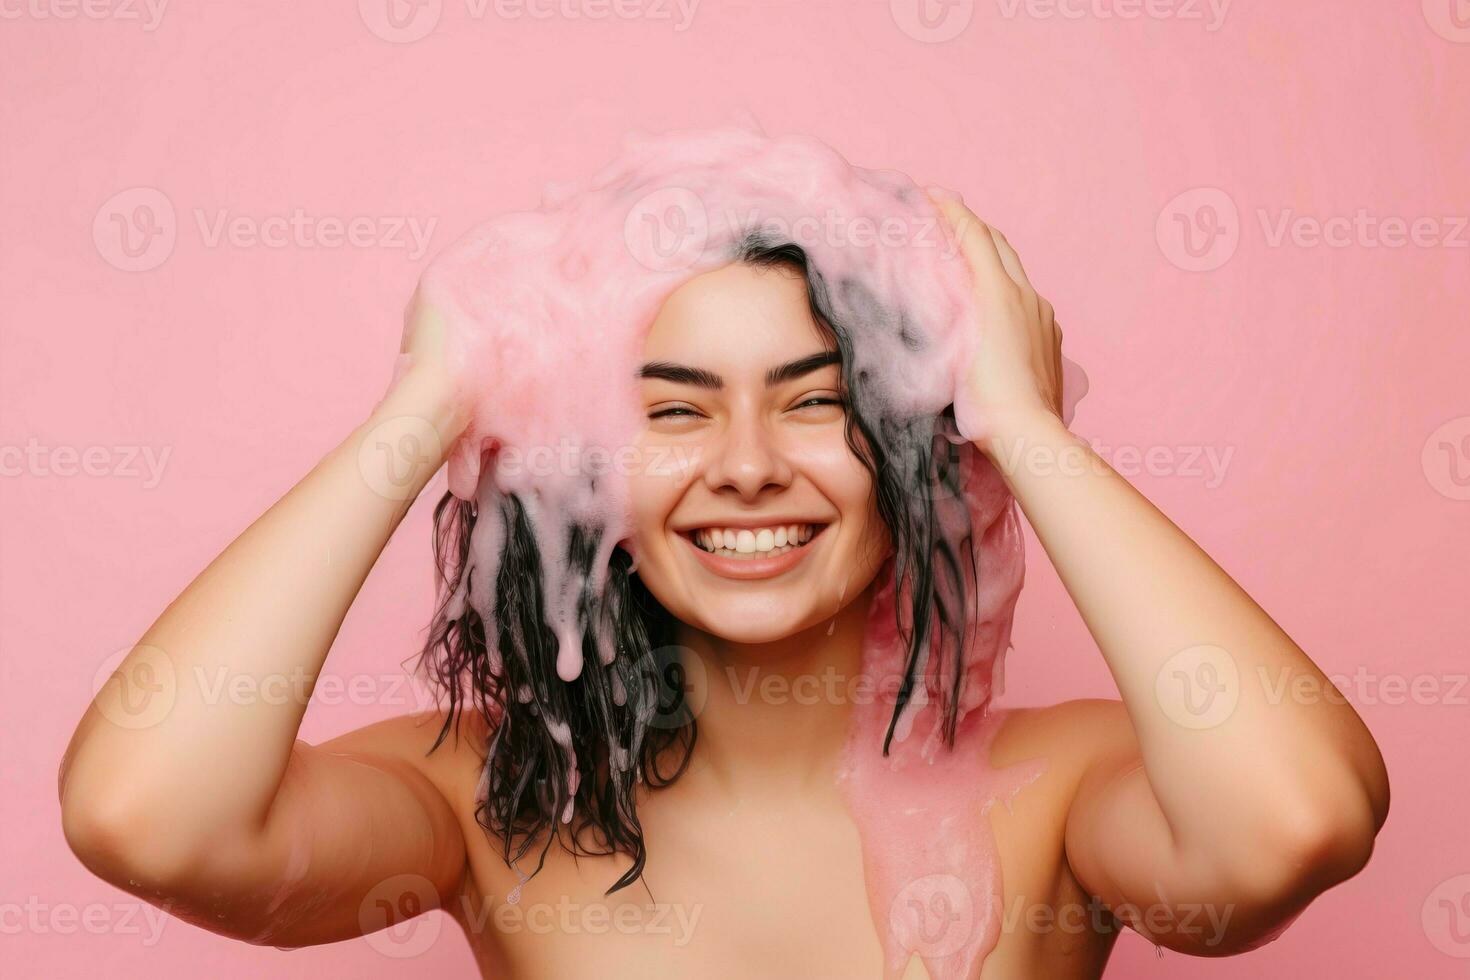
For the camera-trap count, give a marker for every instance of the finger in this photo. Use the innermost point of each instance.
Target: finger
(1010, 259)
(1057, 368)
(976, 244)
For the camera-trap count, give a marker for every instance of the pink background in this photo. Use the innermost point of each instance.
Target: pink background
(1332, 375)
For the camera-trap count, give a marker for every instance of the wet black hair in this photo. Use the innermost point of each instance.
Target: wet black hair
(587, 744)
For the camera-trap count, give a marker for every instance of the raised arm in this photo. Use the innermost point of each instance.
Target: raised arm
(189, 794)
(1229, 794)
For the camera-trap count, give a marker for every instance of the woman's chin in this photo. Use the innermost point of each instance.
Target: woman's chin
(753, 626)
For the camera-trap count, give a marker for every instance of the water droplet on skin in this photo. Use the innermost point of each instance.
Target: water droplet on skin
(515, 893)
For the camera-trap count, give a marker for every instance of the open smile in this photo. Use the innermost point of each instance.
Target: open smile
(752, 553)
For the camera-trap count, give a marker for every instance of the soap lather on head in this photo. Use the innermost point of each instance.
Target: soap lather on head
(803, 392)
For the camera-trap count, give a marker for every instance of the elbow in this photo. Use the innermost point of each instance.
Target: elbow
(1332, 839)
(1260, 893)
(1321, 829)
(123, 841)
(106, 840)
(1333, 847)
(1306, 850)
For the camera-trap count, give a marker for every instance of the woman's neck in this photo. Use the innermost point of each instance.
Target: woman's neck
(772, 717)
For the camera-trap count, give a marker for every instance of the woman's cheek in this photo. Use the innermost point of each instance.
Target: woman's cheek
(840, 476)
(849, 487)
(654, 490)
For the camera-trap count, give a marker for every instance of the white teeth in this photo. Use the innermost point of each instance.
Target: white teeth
(753, 542)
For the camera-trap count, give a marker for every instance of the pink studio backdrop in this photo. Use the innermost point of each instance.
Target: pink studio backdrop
(1251, 221)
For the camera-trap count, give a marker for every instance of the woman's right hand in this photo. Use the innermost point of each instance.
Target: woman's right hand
(185, 782)
(424, 373)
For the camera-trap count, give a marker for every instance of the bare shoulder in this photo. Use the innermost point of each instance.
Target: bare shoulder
(1067, 745)
(447, 754)
(1070, 737)
(1050, 752)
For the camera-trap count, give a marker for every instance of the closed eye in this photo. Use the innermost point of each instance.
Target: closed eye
(677, 410)
(818, 410)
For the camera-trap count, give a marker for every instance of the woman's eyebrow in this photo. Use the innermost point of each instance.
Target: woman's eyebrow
(681, 374)
(700, 378)
(802, 365)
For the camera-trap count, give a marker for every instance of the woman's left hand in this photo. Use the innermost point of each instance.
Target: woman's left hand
(1203, 790)
(1015, 373)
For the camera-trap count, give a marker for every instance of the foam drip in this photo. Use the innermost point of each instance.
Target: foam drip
(547, 310)
(546, 313)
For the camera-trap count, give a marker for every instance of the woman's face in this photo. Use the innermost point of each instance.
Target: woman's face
(753, 520)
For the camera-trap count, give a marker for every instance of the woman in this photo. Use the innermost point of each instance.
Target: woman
(1207, 829)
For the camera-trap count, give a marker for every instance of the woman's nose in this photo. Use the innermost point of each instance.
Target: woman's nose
(747, 461)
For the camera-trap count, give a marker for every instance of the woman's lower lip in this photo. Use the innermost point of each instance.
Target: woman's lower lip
(750, 568)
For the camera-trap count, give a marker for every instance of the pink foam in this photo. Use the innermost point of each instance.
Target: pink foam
(929, 858)
(547, 311)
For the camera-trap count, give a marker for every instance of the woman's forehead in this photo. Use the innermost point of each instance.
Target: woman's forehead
(739, 314)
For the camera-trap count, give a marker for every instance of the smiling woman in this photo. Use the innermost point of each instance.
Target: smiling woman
(774, 487)
(784, 504)
(831, 449)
